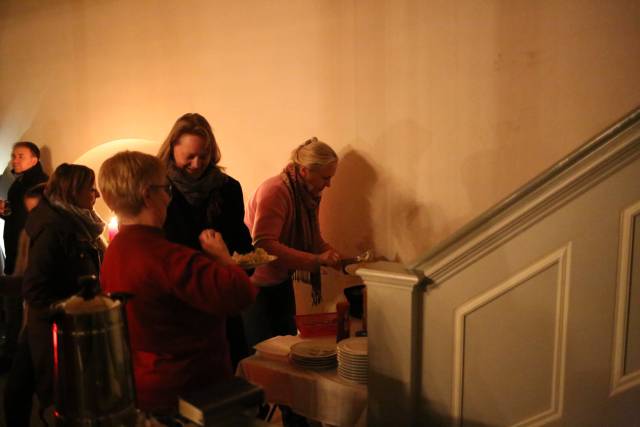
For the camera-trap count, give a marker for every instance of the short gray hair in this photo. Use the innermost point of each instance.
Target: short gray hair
(313, 154)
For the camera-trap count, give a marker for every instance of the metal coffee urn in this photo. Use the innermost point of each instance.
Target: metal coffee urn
(93, 380)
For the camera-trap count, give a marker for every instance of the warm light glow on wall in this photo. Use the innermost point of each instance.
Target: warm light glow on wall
(94, 158)
(112, 228)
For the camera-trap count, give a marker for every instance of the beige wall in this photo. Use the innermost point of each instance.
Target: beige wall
(438, 108)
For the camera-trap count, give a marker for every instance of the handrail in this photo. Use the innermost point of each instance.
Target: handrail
(536, 183)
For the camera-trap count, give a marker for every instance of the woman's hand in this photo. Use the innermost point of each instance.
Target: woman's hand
(330, 258)
(213, 245)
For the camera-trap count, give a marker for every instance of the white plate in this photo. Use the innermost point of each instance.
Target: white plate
(332, 361)
(314, 366)
(354, 357)
(352, 360)
(352, 375)
(356, 380)
(361, 378)
(364, 371)
(310, 363)
(314, 349)
(358, 346)
(351, 268)
(353, 367)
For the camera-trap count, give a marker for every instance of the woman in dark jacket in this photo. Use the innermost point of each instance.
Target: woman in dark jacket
(204, 197)
(65, 235)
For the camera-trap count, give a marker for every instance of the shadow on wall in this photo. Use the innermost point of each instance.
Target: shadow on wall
(346, 213)
(45, 159)
(401, 209)
(389, 403)
(432, 416)
(412, 230)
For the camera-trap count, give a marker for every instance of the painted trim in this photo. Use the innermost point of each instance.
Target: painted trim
(592, 148)
(619, 380)
(562, 257)
(389, 275)
(535, 207)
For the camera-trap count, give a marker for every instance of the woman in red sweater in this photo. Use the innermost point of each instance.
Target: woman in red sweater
(181, 296)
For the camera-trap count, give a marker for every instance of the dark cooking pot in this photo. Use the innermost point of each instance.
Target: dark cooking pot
(354, 296)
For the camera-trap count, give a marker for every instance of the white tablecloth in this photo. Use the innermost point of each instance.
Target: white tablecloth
(319, 395)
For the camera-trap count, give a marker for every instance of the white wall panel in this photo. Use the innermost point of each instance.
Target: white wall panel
(509, 347)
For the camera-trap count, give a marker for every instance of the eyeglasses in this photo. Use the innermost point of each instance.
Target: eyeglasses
(166, 187)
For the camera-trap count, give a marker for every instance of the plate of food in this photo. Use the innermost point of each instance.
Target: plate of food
(253, 259)
(352, 268)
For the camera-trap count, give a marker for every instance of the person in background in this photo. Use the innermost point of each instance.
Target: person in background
(18, 399)
(28, 172)
(12, 285)
(65, 244)
(204, 197)
(180, 295)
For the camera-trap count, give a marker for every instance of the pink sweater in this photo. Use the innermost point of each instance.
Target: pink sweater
(269, 217)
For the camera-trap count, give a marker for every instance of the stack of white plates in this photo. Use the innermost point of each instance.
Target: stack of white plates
(353, 359)
(316, 355)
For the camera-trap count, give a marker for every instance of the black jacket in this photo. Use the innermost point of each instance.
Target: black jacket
(15, 222)
(58, 255)
(223, 211)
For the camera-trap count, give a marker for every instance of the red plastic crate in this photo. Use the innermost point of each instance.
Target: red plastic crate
(317, 325)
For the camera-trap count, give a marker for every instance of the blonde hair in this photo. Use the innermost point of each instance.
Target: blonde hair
(68, 181)
(124, 178)
(190, 124)
(313, 154)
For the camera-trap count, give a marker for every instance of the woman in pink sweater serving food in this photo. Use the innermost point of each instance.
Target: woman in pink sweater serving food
(282, 216)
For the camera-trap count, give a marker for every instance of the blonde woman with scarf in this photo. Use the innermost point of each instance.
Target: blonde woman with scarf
(283, 219)
(204, 197)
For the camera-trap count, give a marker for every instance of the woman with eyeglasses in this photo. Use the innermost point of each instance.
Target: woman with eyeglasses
(204, 197)
(181, 295)
(65, 244)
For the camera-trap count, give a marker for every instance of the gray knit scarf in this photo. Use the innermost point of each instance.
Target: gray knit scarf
(305, 226)
(196, 190)
(90, 224)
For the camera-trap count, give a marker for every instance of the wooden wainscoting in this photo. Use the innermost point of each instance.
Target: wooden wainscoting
(532, 315)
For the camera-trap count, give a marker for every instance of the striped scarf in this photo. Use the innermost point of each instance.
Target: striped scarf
(305, 226)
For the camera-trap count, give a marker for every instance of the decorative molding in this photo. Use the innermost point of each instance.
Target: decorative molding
(562, 258)
(389, 275)
(619, 380)
(596, 146)
(532, 207)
